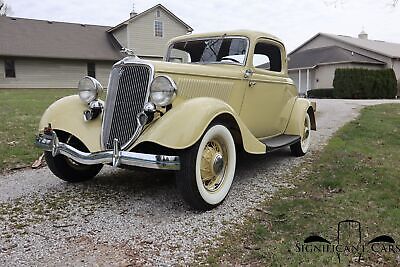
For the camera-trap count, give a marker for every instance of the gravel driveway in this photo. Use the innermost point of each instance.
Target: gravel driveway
(133, 217)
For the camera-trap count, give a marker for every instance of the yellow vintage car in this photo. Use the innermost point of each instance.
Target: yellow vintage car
(213, 95)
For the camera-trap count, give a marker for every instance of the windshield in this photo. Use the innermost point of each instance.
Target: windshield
(226, 50)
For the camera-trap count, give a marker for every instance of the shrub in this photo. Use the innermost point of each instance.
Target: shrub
(320, 93)
(364, 83)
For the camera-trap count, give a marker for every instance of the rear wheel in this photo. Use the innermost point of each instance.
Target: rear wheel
(300, 148)
(207, 169)
(68, 169)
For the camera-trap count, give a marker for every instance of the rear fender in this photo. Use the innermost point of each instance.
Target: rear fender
(296, 122)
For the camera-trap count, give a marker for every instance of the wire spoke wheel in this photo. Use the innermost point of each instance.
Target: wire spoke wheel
(208, 168)
(213, 165)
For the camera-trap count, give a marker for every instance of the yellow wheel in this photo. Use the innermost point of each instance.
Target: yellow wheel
(208, 168)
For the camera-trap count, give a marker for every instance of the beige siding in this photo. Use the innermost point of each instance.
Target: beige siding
(121, 35)
(47, 73)
(320, 41)
(141, 33)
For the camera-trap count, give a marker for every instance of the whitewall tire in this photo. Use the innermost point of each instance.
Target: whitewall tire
(208, 169)
(301, 148)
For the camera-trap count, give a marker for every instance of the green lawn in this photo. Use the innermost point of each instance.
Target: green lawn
(357, 177)
(20, 111)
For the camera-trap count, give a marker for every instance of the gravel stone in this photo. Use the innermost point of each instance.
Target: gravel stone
(137, 217)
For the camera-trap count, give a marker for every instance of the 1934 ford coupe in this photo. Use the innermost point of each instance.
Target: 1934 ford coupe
(213, 94)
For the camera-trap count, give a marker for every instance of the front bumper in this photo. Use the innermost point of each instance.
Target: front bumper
(49, 142)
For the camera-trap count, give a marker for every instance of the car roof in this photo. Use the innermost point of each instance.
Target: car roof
(252, 35)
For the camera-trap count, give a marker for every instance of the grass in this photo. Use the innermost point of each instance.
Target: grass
(21, 111)
(357, 177)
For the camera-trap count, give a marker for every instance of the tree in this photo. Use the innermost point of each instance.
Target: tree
(5, 9)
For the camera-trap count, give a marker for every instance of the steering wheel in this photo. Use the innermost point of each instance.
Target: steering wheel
(231, 59)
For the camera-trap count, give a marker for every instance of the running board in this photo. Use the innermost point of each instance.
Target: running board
(280, 141)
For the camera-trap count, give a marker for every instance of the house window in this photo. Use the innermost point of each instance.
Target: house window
(158, 14)
(91, 70)
(267, 57)
(158, 28)
(9, 67)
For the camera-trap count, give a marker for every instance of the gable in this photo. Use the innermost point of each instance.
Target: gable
(164, 17)
(325, 40)
(141, 33)
(150, 10)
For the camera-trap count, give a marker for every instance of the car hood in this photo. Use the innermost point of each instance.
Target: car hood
(213, 70)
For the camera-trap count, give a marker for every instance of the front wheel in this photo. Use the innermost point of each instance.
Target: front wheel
(68, 169)
(300, 148)
(207, 169)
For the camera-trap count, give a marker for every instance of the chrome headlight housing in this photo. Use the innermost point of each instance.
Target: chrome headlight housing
(89, 89)
(162, 91)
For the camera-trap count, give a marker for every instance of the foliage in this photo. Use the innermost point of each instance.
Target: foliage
(5, 9)
(355, 177)
(320, 93)
(364, 83)
(22, 110)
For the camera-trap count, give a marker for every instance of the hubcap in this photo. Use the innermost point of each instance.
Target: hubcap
(213, 165)
(218, 164)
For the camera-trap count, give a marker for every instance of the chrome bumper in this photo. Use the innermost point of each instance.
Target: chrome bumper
(50, 142)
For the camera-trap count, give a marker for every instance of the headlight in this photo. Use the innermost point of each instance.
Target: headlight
(162, 91)
(89, 89)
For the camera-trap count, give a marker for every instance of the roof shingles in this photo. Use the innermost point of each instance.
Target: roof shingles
(37, 38)
(311, 58)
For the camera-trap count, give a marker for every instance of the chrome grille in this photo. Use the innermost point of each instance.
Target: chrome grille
(127, 93)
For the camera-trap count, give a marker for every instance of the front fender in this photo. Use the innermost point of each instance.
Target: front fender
(296, 121)
(183, 125)
(66, 114)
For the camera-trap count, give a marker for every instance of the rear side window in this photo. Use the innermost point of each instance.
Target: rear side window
(268, 57)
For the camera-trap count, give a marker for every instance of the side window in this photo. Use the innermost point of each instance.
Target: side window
(158, 29)
(267, 57)
(9, 67)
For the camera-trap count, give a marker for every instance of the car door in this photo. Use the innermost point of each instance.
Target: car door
(269, 96)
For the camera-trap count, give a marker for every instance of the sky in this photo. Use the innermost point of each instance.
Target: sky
(293, 21)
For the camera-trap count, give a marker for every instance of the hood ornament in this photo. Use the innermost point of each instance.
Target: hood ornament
(128, 52)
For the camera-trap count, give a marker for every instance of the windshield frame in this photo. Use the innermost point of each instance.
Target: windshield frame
(166, 58)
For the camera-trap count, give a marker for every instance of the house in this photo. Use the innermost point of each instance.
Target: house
(312, 65)
(50, 54)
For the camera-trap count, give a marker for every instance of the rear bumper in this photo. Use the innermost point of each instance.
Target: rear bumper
(50, 142)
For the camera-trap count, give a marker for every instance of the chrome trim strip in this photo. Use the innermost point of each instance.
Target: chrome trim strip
(115, 157)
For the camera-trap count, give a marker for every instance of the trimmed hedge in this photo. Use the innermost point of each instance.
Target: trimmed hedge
(364, 83)
(320, 93)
